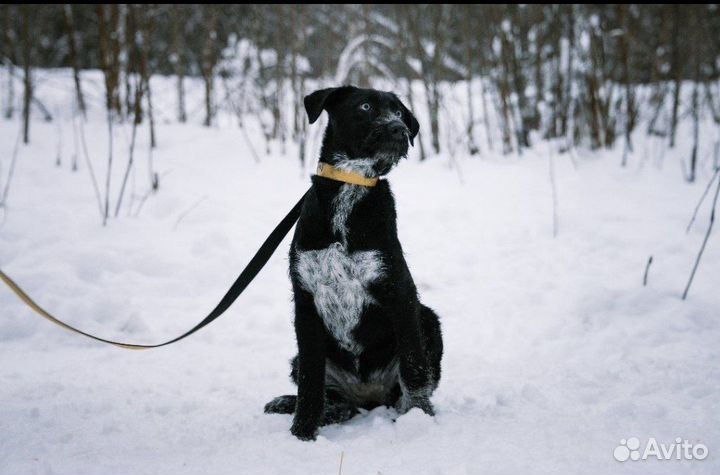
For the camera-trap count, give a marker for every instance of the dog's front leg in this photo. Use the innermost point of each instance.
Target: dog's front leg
(311, 367)
(415, 379)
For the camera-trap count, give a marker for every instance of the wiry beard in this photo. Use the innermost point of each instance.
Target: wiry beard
(380, 162)
(379, 135)
(378, 165)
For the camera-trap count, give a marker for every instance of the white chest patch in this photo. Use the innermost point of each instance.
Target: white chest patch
(343, 205)
(338, 280)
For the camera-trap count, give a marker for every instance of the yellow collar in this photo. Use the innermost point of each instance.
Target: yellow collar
(328, 171)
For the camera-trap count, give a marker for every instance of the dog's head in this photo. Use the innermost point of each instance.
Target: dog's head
(368, 130)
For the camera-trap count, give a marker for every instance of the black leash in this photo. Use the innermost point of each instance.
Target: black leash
(246, 276)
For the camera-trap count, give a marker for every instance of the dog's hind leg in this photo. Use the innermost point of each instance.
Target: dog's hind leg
(281, 405)
(285, 404)
(433, 342)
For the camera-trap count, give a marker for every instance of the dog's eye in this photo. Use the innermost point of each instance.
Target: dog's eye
(398, 114)
(365, 106)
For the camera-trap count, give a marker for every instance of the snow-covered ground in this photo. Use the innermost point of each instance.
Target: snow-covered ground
(554, 349)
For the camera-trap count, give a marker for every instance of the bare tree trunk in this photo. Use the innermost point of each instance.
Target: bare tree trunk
(74, 60)
(624, 41)
(27, 58)
(697, 79)
(411, 100)
(676, 66)
(432, 94)
(539, 98)
(469, 77)
(430, 65)
(109, 48)
(277, 99)
(145, 26)
(512, 45)
(505, 110)
(108, 175)
(108, 23)
(696, 122)
(486, 113)
(208, 100)
(567, 103)
(178, 60)
(208, 62)
(404, 44)
(137, 115)
(9, 42)
(298, 81)
(657, 99)
(151, 114)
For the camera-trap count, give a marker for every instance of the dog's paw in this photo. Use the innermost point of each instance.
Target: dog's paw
(304, 432)
(281, 405)
(419, 399)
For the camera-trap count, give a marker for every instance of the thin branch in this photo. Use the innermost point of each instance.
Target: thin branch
(106, 209)
(75, 144)
(553, 187)
(147, 194)
(702, 198)
(90, 167)
(707, 235)
(58, 157)
(647, 270)
(11, 171)
(187, 211)
(238, 112)
(136, 121)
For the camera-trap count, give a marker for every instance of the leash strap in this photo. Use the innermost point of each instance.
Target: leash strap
(246, 276)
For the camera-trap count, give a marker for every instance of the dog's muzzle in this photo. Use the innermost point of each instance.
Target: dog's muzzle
(389, 138)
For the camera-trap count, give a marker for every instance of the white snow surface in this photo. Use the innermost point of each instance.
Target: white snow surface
(554, 350)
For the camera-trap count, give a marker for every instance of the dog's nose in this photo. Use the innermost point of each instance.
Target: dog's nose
(397, 131)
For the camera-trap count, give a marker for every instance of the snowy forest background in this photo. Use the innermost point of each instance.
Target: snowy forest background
(586, 74)
(557, 212)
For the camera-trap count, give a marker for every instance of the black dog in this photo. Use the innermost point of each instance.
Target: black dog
(364, 339)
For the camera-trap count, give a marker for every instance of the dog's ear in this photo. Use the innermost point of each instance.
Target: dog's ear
(411, 122)
(320, 100)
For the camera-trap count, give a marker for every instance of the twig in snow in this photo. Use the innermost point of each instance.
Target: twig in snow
(570, 149)
(106, 209)
(75, 144)
(187, 211)
(147, 195)
(90, 167)
(702, 198)
(11, 171)
(647, 270)
(4, 216)
(702, 248)
(456, 165)
(553, 186)
(136, 120)
(58, 157)
(236, 109)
